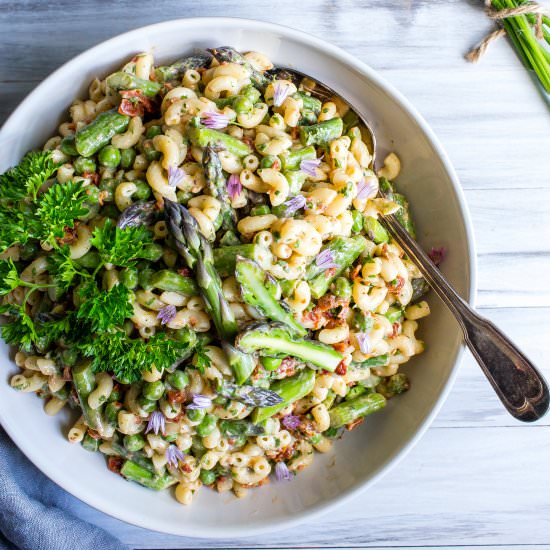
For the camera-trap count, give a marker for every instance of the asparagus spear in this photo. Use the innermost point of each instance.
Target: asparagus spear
(276, 339)
(140, 213)
(166, 279)
(242, 364)
(289, 389)
(226, 54)
(197, 253)
(216, 185)
(90, 139)
(250, 395)
(225, 258)
(84, 382)
(321, 133)
(130, 470)
(235, 428)
(253, 281)
(375, 230)
(420, 289)
(176, 71)
(393, 385)
(292, 159)
(378, 361)
(126, 81)
(344, 251)
(310, 103)
(206, 136)
(349, 411)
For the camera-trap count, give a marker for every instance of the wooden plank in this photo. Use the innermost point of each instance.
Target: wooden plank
(465, 487)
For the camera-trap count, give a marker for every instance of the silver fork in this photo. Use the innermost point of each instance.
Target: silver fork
(517, 382)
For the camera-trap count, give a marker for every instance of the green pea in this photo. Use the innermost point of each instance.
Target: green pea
(342, 288)
(153, 131)
(68, 146)
(129, 277)
(108, 186)
(134, 442)
(183, 196)
(178, 379)
(69, 356)
(148, 405)
(143, 191)
(207, 477)
(149, 151)
(152, 252)
(127, 158)
(115, 396)
(207, 426)
(260, 210)
(197, 447)
(153, 390)
(110, 211)
(29, 250)
(357, 225)
(251, 93)
(242, 104)
(271, 363)
(109, 156)
(195, 415)
(82, 164)
(270, 161)
(239, 441)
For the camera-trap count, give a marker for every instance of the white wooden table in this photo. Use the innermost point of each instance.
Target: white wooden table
(477, 478)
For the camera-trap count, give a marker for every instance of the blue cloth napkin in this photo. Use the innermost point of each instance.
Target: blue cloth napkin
(34, 511)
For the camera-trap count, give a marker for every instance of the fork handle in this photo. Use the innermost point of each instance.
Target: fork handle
(516, 381)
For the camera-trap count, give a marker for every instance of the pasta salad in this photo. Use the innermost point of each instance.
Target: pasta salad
(195, 266)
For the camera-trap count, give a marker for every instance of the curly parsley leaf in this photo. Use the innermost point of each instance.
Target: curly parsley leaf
(103, 310)
(63, 269)
(58, 207)
(127, 358)
(120, 246)
(20, 331)
(13, 228)
(9, 277)
(25, 179)
(201, 359)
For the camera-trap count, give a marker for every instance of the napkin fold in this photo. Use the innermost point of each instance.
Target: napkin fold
(35, 512)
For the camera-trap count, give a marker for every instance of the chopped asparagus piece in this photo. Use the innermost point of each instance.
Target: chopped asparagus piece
(349, 411)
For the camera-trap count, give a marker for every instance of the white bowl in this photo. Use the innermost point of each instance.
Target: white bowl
(364, 455)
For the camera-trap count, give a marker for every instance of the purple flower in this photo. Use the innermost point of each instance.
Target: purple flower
(363, 341)
(215, 121)
(234, 186)
(175, 175)
(174, 455)
(309, 166)
(281, 472)
(279, 93)
(166, 314)
(291, 421)
(156, 423)
(325, 259)
(200, 402)
(367, 188)
(437, 254)
(294, 204)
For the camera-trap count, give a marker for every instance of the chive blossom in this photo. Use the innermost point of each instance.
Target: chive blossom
(294, 204)
(367, 188)
(200, 402)
(166, 314)
(282, 472)
(175, 175)
(363, 341)
(174, 455)
(234, 186)
(280, 91)
(156, 423)
(325, 259)
(291, 421)
(309, 166)
(215, 121)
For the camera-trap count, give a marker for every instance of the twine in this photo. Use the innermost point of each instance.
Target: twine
(498, 15)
